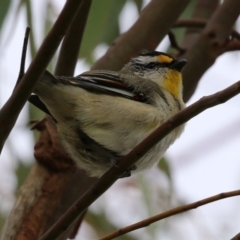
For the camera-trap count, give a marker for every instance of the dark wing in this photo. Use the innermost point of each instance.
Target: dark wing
(103, 83)
(97, 82)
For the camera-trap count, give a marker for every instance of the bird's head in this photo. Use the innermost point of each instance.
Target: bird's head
(160, 68)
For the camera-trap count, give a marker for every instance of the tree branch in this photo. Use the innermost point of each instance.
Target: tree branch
(202, 12)
(198, 23)
(170, 213)
(113, 174)
(40, 194)
(237, 237)
(10, 111)
(72, 41)
(52, 175)
(151, 27)
(232, 46)
(209, 45)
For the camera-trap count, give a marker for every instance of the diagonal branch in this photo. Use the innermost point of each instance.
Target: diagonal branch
(237, 237)
(126, 162)
(10, 111)
(151, 27)
(170, 213)
(72, 41)
(203, 11)
(209, 45)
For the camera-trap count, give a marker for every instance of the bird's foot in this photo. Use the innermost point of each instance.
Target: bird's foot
(128, 172)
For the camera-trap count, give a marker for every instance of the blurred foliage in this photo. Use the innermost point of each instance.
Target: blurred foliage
(4, 7)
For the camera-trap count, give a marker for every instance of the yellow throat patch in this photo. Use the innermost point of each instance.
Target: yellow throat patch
(173, 83)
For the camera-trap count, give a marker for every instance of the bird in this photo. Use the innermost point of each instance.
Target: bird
(101, 115)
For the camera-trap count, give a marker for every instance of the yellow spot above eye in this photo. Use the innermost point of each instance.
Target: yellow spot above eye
(164, 59)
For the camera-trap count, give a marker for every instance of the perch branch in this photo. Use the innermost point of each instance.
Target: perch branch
(113, 174)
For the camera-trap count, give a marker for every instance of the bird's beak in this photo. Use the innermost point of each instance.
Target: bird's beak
(178, 64)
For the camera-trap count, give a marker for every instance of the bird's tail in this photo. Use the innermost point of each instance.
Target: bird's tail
(42, 88)
(47, 78)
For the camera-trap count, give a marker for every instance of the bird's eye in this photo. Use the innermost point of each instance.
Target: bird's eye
(151, 65)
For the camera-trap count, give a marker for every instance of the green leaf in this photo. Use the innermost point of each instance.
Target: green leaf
(4, 7)
(102, 25)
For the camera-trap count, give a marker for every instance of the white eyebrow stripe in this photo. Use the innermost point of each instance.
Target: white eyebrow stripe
(145, 59)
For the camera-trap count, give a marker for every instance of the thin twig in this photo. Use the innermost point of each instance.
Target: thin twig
(190, 22)
(23, 58)
(174, 43)
(198, 23)
(113, 174)
(172, 212)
